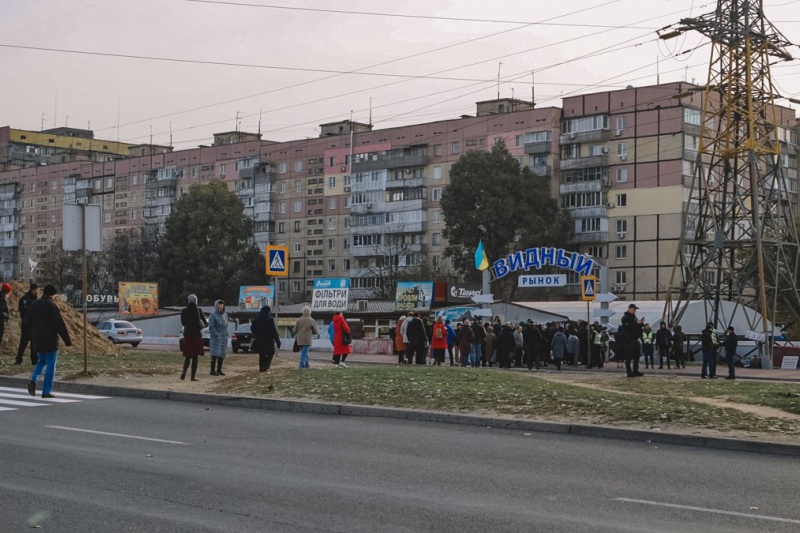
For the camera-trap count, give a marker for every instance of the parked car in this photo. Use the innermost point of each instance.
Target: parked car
(204, 332)
(241, 338)
(120, 332)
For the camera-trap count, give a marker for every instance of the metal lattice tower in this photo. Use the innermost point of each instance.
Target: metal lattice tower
(739, 241)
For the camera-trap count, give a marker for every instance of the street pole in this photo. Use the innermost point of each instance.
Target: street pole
(85, 306)
(588, 334)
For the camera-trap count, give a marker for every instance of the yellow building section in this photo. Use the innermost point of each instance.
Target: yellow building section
(66, 142)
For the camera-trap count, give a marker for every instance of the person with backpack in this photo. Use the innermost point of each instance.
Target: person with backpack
(439, 340)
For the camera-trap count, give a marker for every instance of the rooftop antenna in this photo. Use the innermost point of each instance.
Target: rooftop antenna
(259, 120)
(42, 128)
(533, 89)
(370, 111)
(119, 105)
(658, 70)
(237, 122)
(55, 112)
(66, 121)
(170, 133)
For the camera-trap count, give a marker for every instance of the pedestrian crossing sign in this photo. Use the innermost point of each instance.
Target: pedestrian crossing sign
(588, 288)
(277, 261)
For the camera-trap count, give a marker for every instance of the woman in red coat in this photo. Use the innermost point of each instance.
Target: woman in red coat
(340, 350)
(439, 342)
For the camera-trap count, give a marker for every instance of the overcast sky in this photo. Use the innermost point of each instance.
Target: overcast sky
(126, 98)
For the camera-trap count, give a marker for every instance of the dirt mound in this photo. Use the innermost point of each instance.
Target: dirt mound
(96, 344)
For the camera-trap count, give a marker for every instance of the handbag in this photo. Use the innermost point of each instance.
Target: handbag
(295, 347)
(346, 339)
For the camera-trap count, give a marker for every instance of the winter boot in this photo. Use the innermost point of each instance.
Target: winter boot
(214, 366)
(219, 366)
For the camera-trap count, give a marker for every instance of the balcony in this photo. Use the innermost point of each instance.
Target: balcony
(590, 237)
(8, 226)
(589, 212)
(8, 196)
(246, 192)
(538, 148)
(407, 183)
(8, 243)
(165, 182)
(581, 186)
(159, 201)
(585, 137)
(389, 162)
(542, 170)
(585, 162)
(367, 209)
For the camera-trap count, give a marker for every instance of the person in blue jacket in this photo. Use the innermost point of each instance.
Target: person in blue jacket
(451, 340)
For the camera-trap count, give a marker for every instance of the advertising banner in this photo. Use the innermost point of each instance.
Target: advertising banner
(463, 292)
(136, 298)
(253, 297)
(414, 296)
(330, 294)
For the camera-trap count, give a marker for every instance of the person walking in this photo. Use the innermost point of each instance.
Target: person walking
(304, 330)
(193, 321)
(648, 348)
(678, 342)
(559, 346)
(731, 342)
(340, 349)
(265, 338)
(218, 337)
(438, 340)
(708, 345)
(404, 336)
(25, 335)
(465, 342)
(451, 340)
(45, 324)
(4, 290)
(399, 344)
(663, 343)
(631, 328)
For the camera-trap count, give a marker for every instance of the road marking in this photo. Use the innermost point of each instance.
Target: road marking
(707, 510)
(22, 404)
(119, 435)
(25, 396)
(64, 394)
(7, 409)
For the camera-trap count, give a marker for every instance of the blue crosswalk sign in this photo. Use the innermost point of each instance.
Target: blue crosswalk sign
(277, 261)
(588, 288)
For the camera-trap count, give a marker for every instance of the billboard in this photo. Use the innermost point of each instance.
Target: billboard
(330, 294)
(253, 297)
(413, 296)
(463, 292)
(137, 298)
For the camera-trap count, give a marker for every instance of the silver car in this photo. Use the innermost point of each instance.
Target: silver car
(120, 332)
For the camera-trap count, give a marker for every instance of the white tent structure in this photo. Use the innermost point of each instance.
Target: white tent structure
(697, 315)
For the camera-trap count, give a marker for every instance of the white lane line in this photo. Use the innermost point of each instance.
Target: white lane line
(714, 511)
(22, 404)
(119, 435)
(8, 409)
(64, 394)
(50, 400)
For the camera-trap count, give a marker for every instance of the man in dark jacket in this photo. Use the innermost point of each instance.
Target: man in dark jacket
(265, 337)
(731, 342)
(531, 339)
(709, 346)
(25, 335)
(417, 339)
(632, 331)
(505, 345)
(44, 321)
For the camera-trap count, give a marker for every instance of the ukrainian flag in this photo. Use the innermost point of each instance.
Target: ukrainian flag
(481, 261)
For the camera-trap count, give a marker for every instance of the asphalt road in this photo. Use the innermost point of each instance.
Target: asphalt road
(146, 465)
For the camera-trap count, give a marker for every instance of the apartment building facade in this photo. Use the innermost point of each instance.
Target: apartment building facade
(356, 198)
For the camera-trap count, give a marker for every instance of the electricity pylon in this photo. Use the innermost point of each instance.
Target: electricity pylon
(739, 241)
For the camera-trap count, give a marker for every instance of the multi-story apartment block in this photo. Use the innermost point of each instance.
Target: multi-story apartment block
(22, 148)
(355, 199)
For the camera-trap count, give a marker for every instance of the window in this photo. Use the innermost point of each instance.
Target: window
(282, 188)
(622, 175)
(622, 200)
(455, 148)
(282, 207)
(622, 226)
(436, 216)
(345, 264)
(98, 184)
(134, 179)
(622, 251)
(282, 167)
(579, 125)
(622, 149)
(331, 265)
(297, 249)
(437, 194)
(332, 203)
(331, 244)
(596, 251)
(331, 224)
(597, 149)
(533, 137)
(281, 227)
(622, 123)
(437, 150)
(296, 286)
(571, 151)
(281, 286)
(590, 225)
(298, 205)
(222, 170)
(332, 182)
(133, 215)
(298, 186)
(692, 116)
(437, 172)
(108, 217)
(436, 239)
(346, 243)
(298, 165)
(621, 277)
(297, 226)
(332, 161)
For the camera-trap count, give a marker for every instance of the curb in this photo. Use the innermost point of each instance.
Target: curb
(320, 408)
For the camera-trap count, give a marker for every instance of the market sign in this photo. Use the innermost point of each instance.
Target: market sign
(543, 280)
(537, 258)
(330, 294)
